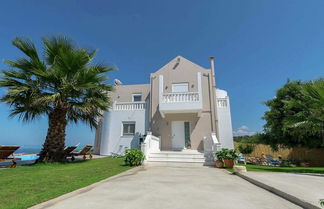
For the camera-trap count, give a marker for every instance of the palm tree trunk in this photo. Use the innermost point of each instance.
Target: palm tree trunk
(53, 147)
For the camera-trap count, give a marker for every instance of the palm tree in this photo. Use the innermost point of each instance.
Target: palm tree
(311, 117)
(64, 85)
(314, 92)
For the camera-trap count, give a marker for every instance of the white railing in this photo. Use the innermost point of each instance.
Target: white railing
(211, 146)
(180, 97)
(221, 102)
(129, 106)
(150, 144)
(216, 143)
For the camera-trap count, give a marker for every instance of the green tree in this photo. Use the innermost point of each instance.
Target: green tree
(63, 85)
(253, 139)
(293, 117)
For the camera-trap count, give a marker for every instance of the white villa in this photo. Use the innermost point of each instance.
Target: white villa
(179, 116)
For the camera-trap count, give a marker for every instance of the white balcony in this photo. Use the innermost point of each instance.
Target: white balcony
(180, 102)
(123, 106)
(180, 97)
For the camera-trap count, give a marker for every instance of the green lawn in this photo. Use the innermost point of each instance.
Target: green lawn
(25, 186)
(284, 169)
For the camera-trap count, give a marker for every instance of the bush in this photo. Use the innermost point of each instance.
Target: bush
(246, 148)
(134, 157)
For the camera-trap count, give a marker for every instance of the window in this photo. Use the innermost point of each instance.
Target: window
(128, 128)
(180, 87)
(137, 97)
(187, 134)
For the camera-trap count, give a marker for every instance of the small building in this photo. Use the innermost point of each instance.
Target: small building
(180, 111)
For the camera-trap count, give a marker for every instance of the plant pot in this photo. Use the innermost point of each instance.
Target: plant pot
(229, 163)
(304, 164)
(219, 164)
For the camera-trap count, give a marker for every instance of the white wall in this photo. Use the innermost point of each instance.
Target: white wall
(224, 121)
(111, 136)
(97, 141)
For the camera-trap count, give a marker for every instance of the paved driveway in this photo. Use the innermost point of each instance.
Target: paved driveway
(173, 186)
(307, 187)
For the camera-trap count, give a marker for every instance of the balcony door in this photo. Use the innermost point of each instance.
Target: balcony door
(180, 87)
(178, 135)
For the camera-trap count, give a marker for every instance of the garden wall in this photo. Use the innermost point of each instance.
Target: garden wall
(315, 156)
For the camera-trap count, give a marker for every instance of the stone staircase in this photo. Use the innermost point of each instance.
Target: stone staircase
(184, 156)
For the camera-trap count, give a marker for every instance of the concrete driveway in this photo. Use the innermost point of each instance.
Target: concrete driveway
(171, 186)
(307, 187)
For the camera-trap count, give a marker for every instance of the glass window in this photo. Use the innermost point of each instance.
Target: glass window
(180, 87)
(137, 97)
(187, 134)
(128, 128)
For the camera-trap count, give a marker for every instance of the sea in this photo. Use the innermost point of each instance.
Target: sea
(35, 149)
(29, 149)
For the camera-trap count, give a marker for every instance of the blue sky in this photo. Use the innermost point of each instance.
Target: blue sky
(257, 45)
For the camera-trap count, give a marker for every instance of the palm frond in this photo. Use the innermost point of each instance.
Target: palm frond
(26, 46)
(55, 46)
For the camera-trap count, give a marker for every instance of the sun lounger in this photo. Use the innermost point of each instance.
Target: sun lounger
(120, 152)
(271, 161)
(69, 149)
(85, 151)
(6, 152)
(241, 159)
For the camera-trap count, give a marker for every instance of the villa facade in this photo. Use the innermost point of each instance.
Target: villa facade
(180, 109)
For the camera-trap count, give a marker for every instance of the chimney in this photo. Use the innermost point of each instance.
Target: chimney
(213, 95)
(212, 68)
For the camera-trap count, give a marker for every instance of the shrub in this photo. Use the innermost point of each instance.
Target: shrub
(134, 157)
(246, 148)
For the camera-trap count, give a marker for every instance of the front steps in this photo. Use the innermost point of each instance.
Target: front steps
(184, 156)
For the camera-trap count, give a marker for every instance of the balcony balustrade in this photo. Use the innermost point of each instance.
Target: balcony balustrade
(129, 106)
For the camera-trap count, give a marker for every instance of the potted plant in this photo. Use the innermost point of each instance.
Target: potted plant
(220, 157)
(229, 156)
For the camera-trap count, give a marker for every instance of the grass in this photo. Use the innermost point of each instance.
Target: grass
(284, 169)
(25, 186)
(230, 170)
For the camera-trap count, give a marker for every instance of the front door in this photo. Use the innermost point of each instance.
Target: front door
(178, 135)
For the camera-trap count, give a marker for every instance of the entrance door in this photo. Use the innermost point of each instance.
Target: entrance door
(178, 135)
